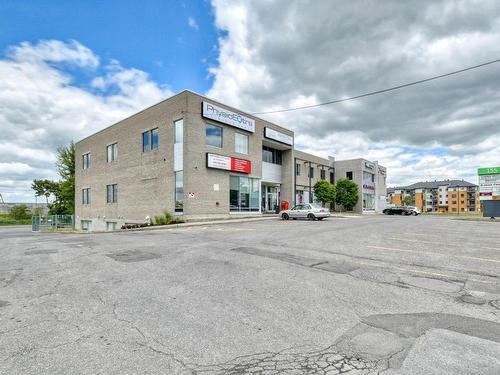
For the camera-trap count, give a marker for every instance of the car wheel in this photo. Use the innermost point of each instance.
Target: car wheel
(294, 218)
(320, 218)
(414, 213)
(285, 216)
(310, 217)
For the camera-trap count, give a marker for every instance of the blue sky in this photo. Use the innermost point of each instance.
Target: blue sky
(150, 35)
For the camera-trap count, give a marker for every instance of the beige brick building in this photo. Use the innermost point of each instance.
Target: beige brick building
(194, 157)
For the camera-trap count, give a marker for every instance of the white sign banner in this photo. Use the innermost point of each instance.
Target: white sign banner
(218, 161)
(278, 136)
(225, 116)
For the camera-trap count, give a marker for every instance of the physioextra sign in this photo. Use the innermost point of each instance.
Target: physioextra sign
(225, 116)
(228, 163)
(278, 136)
(489, 183)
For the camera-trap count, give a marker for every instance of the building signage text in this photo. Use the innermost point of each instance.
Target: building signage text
(225, 116)
(278, 136)
(228, 163)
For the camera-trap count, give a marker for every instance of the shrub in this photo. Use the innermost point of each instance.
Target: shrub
(20, 212)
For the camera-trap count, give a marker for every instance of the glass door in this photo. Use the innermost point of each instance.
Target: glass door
(272, 198)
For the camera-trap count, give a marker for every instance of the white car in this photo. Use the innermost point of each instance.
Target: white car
(414, 210)
(310, 211)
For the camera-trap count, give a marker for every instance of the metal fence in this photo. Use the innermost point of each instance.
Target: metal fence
(52, 223)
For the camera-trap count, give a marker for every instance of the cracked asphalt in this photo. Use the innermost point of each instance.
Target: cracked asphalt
(360, 295)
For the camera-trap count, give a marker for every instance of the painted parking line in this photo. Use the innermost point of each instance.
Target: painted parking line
(433, 253)
(438, 243)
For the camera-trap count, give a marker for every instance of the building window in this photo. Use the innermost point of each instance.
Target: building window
(244, 194)
(178, 131)
(297, 169)
(271, 155)
(453, 195)
(110, 225)
(112, 152)
(86, 160)
(331, 178)
(150, 140)
(112, 193)
(179, 192)
(154, 139)
(145, 141)
(86, 196)
(310, 174)
(348, 175)
(213, 135)
(86, 225)
(323, 174)
(241, 143)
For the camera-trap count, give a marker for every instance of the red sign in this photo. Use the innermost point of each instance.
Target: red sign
(228, 163)
(240, 165)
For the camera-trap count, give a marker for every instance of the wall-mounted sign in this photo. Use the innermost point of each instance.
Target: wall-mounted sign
(225, 116)
(228, 163)
(278, 136)
(369, 186)
(491, 170)
(369, 165)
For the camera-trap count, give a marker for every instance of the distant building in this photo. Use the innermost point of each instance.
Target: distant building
(438, 196)
(371, 180)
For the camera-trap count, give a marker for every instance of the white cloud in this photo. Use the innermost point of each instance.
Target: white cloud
(42, 108)
(192, 23)
(282, 54)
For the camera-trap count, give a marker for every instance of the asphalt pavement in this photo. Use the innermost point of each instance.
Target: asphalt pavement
(357, 295)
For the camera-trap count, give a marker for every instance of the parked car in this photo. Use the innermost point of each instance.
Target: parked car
(397, 211)
(310, 211)
(414, 210)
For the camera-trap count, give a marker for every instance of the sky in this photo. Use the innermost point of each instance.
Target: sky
(69, 69)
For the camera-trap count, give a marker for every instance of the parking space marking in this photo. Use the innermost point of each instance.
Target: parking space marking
(437, 242)
(433, 253)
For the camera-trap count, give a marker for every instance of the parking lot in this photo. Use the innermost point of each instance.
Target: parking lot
(357, 295)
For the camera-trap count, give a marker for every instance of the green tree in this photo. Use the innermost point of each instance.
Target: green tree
(63, 190)
(324, 192)
(20, 212)
(408, 200)
(346, 193)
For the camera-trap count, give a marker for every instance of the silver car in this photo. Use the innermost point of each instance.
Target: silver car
(310, 211)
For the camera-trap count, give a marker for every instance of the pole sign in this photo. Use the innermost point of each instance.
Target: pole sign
(489, 183)
(228, 163)
(278, 136)
(214, 112)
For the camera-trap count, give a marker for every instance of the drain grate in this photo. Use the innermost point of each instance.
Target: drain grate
(131, 256)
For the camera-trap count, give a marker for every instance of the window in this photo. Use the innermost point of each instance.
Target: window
(110, 225)
(86, 196)
(112, 193)
(297, 169)
(331, 177)
(154, 139)
(86, 160)
(311, 172)
(453, 195)
(178, 131)
(271, 155)
(244, 194)
(179, 192)
(241, 143)
(112, 151)
(150, 140)
(86, 225)
(145, 141)
(323, 174)
(348, 175)
(213, 135)
(453, 202)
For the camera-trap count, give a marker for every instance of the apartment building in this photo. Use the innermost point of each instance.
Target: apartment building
(194, 157)
(370, 177)
(438, 196)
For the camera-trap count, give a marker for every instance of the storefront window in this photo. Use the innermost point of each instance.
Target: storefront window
(243, 193)
(179, 192)
(368, 201)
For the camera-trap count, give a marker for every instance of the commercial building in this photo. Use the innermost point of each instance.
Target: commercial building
(371, 180)
(194, 157)
(438, 196)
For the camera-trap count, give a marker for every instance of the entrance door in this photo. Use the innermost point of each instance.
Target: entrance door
(270, 197)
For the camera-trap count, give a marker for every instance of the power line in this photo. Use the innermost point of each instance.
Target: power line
(379, 91)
